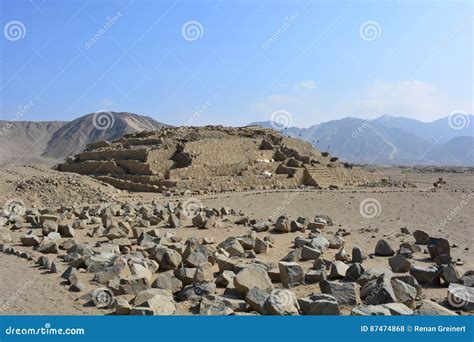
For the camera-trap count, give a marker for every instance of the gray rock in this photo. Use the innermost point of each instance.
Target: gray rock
(291, 273)
(167, 281)
(383, 248)
(354, 272)
(437, 247)
(461, 297)
(398, 309)
(426, 275)
(308, 253)
(370, 310)
(430, 308)
(338, 270)
(261, 246)
(282, 303)
(319, 304)
(449, 274)
(421, 237)
(315, 276)
(399, 264)
(282, 225)
(252, 276)
(256, 299)
(345, 293)
(30, 240)
(357, 255)
(66, 230)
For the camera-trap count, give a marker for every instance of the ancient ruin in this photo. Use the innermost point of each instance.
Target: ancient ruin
(212, 158)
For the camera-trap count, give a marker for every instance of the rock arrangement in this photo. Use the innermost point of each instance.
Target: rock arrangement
(212, 158)
(136, 263)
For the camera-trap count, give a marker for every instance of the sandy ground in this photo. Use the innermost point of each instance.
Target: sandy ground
(413, 208)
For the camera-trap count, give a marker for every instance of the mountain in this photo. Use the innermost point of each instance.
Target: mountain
(49, 142)
(392, 140)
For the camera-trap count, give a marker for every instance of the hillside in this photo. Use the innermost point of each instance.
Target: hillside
(49, 142)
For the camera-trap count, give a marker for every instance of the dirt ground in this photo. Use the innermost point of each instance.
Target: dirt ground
(446, 212)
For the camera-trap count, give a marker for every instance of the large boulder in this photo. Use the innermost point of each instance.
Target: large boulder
(438, 246)
(291, 273)
(282, 303)
(421, 237)
(345, 293)
(252, 276)
(383, 248)
(319, 304)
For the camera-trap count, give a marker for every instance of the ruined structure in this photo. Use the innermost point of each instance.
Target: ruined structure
(212, 158)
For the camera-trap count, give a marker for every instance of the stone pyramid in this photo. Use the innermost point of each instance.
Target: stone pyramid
(212, 158)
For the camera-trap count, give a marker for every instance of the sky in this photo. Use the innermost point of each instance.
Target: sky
(234, 62)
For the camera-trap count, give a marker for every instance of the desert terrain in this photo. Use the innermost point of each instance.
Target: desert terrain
(30, 288)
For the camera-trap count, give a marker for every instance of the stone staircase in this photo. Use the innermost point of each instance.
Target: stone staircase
(321, 176)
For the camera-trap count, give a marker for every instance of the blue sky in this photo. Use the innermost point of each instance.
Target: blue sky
(317, 60)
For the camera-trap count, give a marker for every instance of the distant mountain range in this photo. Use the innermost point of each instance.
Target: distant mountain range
(48, 142)
(390, 140)
(386, 140)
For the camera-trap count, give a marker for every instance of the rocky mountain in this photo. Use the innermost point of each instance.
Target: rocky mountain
(49, 142)
(392, 140)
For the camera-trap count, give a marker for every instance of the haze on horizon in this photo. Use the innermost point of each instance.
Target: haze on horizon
(232, 63)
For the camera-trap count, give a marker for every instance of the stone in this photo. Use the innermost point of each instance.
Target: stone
(185, 274)
(293, 256)
(442, 259)
(160, 302)
(461, 297)
(338, 270)
(133, 285)
(171, 260)
(449, 274)
(370, 310)
(357, 255)
(282, 303)
(426, 275)
(337, 242)
(282, 225)
(203, 274)
(437, 247)
(252, 276)
(55, 268)
(430, 308)
(319, 304)
(212, 305)
(168, 281)
(342, 255)
(404, 293)
(398, 309)
(383, 248)
(261, 226)
(48, 247)
(174, 221)
(344, 293)
(308, 253)
(296, 226)
(421, 237)
(372, 274)
(30, 240)
(315, 276)
(378, 291)
(195, 259)
(320, 243)
(354, 272)
(291, 273)
(256, 299)
(66, 230)
(261, 246)
(122, 307)
(399, 264)
(225, 278)
(232, 246)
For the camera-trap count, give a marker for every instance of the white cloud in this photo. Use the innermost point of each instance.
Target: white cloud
(416, 99)
(307, 85)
